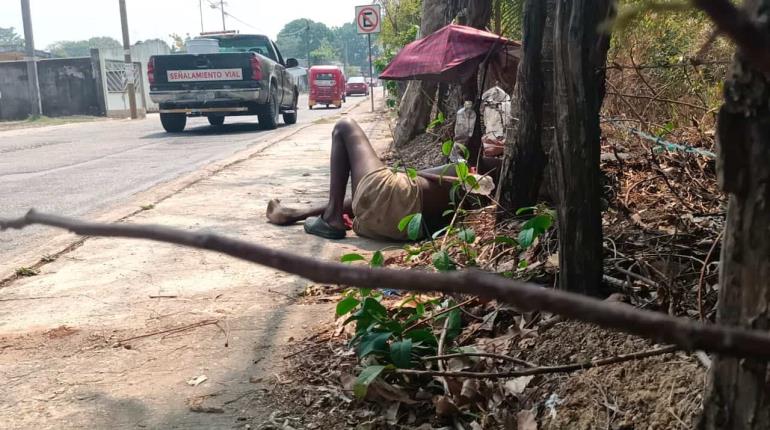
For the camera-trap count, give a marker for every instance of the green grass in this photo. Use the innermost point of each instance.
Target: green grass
(26, 271)
(45, 121)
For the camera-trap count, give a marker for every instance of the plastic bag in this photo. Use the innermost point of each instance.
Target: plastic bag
(465, 123)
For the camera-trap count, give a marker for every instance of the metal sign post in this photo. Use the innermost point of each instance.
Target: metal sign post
(368, 21)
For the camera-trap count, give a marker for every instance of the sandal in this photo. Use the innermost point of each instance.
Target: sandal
(318, 227)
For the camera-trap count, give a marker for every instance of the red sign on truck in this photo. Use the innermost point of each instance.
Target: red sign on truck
(205, 75)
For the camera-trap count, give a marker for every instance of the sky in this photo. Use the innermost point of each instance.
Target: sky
(56, 20)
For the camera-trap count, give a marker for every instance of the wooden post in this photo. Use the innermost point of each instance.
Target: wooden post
(580, 56)
(737, 396)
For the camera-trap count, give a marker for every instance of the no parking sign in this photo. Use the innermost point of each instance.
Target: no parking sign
(368, 19)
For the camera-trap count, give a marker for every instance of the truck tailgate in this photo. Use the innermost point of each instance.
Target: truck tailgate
(203, 71)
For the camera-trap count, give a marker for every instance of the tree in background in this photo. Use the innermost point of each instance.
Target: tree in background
(325, 53)
(400, 23)
(178, 43)
(352, 48)
(10, 39)
(82, 48)
(303, 35)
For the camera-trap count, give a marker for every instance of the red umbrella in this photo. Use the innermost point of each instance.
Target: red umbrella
(451, 54)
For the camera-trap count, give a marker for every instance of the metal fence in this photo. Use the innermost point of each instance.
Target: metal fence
(117, 77)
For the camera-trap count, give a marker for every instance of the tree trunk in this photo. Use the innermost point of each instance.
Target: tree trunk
(580, 55)
(526, 144)
(417, 102)
(738, 394)
(477, 15)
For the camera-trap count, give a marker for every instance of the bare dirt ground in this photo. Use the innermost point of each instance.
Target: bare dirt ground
(130, 334)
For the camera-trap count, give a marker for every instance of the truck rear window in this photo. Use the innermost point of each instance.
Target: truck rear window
(324, 77)
(259, 45)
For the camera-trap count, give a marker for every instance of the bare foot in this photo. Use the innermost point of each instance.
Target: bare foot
(280, 215)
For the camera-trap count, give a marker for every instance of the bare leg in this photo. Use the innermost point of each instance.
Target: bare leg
(352, 157)
(281, 215)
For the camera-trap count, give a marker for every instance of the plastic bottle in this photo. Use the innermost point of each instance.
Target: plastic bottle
(465, 123)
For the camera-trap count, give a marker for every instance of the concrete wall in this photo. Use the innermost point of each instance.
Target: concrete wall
(67, 87)
(14, 95)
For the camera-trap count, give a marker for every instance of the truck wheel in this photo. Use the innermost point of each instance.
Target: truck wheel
(217, 120)
(173, 122)
(268, 120)
(291, 118)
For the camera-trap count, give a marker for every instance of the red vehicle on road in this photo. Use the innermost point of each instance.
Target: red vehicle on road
(357, 85)
(327, 86)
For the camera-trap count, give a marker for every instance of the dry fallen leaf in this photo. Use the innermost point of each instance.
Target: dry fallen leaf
(445, 407)
(516, 386)
(526, 420)
(194, 382)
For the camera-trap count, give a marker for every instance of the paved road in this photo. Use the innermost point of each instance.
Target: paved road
(80, 169)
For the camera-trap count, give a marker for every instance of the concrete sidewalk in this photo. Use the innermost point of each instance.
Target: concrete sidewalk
(59, 331)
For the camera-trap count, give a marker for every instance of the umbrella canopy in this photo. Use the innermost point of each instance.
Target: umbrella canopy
(451, 54)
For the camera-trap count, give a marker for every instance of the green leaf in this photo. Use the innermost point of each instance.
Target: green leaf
(365, 378)
(346, 305)
(540, 223)
(526, 209)
(412, 173)
(405, 222)
(422, 335)
(462, 171)
(454, 327)
(349, 258)
(401, 353)
(447, 212)
(440, 232)
(505, 240)
(436, 122)
(471, 182)
(373, 342)
(526, 237)
(523, 264)
(415, 227)
(468, 235)
(446, 147)
(464, 150)
(377, 259)
(442, 261)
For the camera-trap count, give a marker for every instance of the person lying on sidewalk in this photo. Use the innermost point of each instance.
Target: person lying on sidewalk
(381, 198)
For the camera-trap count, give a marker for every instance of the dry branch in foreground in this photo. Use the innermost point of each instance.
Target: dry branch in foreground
(684, 333)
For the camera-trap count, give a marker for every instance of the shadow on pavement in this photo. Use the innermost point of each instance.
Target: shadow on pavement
(208, 130)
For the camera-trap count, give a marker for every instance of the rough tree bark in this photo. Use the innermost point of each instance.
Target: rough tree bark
(580, 53)
(417, 102)
(738, 395)
(528, 144)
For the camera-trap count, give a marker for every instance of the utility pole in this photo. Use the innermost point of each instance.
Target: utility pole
(129, 64)
(371, 70)
(307, 41)
(222, 8)
(200, 6)
(36, 108)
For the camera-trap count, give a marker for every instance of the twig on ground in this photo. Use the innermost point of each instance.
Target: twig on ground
(171, 330)
(544, 369)
(701, 313)
(687, 334)
(480, 354)
(437, 314)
